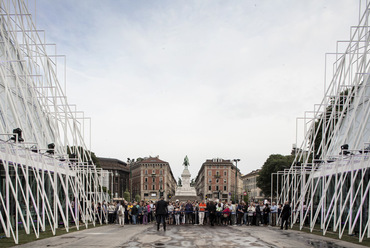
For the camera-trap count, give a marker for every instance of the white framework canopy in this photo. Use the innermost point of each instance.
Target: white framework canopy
(47, 177)
(328, 184)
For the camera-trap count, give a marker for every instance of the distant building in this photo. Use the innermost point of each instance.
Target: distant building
(216, 180)
(152, 178)
(250, 186)
(115, 175)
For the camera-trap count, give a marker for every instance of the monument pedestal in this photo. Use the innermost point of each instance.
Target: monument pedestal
(186, 192)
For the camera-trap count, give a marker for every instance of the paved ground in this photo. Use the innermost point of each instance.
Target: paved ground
(189, 236)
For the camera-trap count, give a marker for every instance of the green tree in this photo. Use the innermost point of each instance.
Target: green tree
(126, 195)
(329, 120)
(246, 197)
(137, 198)
(273, 164)
(75, 152)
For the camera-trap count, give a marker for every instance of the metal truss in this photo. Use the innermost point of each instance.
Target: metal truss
(47, 178)
(328, 183)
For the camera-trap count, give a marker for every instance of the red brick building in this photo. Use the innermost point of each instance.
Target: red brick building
(152, 178)
(216, 180)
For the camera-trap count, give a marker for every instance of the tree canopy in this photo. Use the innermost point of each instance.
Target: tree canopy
(84, 154)
(274, 163)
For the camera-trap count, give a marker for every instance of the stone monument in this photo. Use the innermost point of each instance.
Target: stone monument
(185, 191)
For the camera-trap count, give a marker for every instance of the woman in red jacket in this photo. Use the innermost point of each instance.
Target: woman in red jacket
(225, 215)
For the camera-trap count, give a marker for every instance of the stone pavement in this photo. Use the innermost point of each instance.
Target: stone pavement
(189, 236)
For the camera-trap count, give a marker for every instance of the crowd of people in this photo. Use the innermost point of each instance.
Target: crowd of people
(195, 213)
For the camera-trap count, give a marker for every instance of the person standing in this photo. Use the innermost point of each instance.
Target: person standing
(121, 215)
(170, 209)
(177, 215)
(202, 209)
(196, 213)
(212, 212)
(258, 214)
(134, 212)
(274, 211)
(116, 213)
(188, 212)
(240, 213)
(152, 210)
(219, 214)
(161, 212)
(266, 214)
(245, 213)
(285, 214)
(145, 213)
(251, 213)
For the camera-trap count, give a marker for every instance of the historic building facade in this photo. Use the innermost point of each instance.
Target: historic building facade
(218, 179)
(152, 178)
(115, 176)
(250, 186)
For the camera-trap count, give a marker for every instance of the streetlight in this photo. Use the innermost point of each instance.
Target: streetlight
(153, 177)
(236, 175)
(129, 163)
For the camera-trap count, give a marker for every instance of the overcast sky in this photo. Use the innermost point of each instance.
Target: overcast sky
(200, 78)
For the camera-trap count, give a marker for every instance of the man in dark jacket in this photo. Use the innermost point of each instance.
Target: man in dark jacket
(188, 212)
(285, 214)
(258, 214)
(211, 208)
(161, 212)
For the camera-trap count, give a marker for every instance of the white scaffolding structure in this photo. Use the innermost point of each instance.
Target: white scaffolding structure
(328, 183)
(47, 177)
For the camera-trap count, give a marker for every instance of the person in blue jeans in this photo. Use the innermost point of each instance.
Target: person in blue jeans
(134, 212)
(245, 213)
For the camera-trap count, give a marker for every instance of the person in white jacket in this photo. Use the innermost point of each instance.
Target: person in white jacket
(121, 214)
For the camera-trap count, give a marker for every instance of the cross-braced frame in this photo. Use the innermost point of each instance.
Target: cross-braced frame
(328, 183)
(47, 177)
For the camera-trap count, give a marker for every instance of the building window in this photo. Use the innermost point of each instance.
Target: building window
(224, 180)
(216, 187)
(217, 173)
(210, 180)
(225, 188)
(209, 173)
(216, 180)
(153, 179)
(146, 166)
(145, 187)
(146, 179)
(161, 172)
(146, 172)
(225, 173)
(209, 187)
(153, 187)
(161, 166)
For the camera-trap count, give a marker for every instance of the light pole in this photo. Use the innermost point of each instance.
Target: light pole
(129, 163)
(236, 176)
